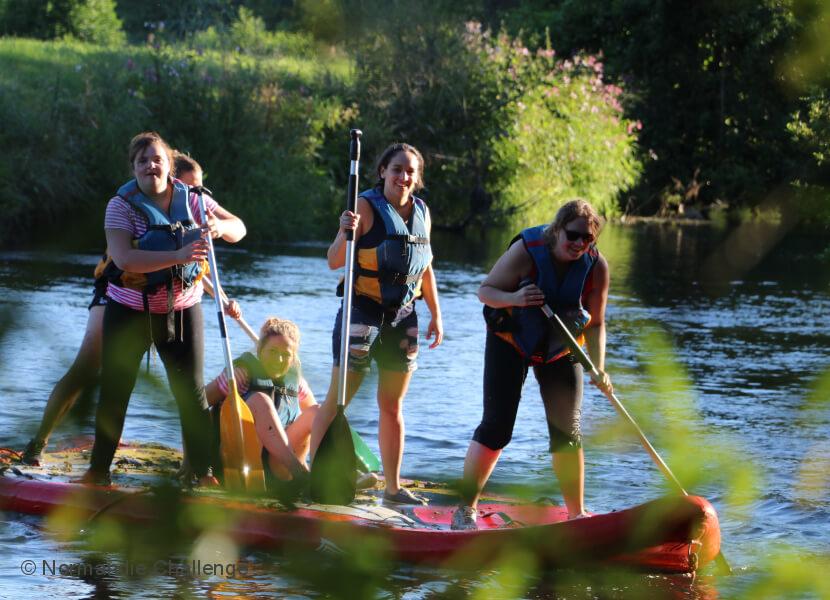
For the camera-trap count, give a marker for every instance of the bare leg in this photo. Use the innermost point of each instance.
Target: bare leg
(83, 372)
(392, 388)
(299, 432)
(328, 410)
(570, 470)
(271, 433)
(478, 466)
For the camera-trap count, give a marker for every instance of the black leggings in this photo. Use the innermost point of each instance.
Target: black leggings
(560, 384)
(128, 334)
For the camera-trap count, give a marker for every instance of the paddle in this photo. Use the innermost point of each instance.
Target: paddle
(333, 469)
(585, 361)
(367, 461)
(239, 444)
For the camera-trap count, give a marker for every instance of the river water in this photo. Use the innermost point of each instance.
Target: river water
(717, 342)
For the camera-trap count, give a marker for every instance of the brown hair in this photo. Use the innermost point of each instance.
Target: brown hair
(182, 163)
(387, 155)
(570, 211)
(144, 139)
(285, 328)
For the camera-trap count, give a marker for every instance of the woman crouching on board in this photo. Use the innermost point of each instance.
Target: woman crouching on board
(280, 399)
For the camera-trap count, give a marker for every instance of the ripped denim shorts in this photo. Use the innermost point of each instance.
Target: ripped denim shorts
(390, 339)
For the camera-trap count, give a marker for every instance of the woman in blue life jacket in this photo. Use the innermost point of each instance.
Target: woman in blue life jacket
(157, 242)
(280, 399)
(557, 265)
(393, 267)
(85, 369)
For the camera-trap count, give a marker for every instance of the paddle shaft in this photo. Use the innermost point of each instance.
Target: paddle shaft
(220, 312)
(248, 329)
(236, 425)
(243, 324)
(348, 282)
(585, 361)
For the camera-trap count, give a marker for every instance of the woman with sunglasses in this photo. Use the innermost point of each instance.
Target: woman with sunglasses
(557, 265)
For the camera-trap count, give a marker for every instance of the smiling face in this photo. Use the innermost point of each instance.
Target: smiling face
(400, 176)
(151, 167)
(572, 240)
(277, 355)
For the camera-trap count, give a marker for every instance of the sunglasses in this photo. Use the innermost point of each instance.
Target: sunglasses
(578, 235)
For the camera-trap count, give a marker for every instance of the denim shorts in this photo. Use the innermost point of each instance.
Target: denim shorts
(390, 339)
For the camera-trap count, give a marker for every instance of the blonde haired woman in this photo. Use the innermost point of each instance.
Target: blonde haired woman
(281, 402)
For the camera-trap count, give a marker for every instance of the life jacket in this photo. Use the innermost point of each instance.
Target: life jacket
(164, 233)
(391, 272)
(526, 328)
(284, 391)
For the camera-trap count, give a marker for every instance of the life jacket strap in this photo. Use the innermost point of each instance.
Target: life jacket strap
(409, 239)
(388, 277)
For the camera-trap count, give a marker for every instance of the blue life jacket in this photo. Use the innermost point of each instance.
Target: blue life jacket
(391, 272)
(526, 326)
(284, 391)
(165, 232)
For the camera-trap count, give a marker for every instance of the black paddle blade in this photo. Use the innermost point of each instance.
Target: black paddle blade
(334, 468)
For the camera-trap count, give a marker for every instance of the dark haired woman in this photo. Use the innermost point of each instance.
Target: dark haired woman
(155, 237)
(557, 265)
(393, 267)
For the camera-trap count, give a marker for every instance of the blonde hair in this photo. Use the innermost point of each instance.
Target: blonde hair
(570, 211)
(287, 329)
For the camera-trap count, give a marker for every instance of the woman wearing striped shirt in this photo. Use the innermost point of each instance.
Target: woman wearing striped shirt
(280, 399)
(169, 315)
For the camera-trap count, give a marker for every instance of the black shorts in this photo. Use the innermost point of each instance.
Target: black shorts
(99, 294)
(560, 385)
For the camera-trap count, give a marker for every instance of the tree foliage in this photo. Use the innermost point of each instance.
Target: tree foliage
(509, 134)
(706, 82)
(90, 20)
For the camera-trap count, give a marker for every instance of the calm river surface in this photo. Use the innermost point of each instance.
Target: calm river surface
(716, 343)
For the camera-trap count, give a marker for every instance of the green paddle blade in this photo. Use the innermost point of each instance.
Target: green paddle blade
(334, 468)
(367, 461)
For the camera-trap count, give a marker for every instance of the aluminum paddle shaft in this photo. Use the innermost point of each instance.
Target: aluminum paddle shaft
(348, 282)
(217, 296)
(585, 361)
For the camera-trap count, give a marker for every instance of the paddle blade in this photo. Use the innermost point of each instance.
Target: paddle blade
(367, 461)
(239, 444)
(333, 469)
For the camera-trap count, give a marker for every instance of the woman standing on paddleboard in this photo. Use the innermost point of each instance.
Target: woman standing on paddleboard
(86, 368)
(156, 241)
(393, 267)
(558, 265)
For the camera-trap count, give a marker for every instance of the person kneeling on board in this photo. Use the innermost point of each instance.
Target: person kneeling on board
(280, 399)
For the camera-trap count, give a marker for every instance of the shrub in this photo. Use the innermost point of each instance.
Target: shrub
(95, 21)
(509, 134)
(70, 108)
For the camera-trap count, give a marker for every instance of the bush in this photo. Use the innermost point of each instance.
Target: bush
(89, 20)
(509, 134)
(69, 109)
(248, 34)
(95, 21)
